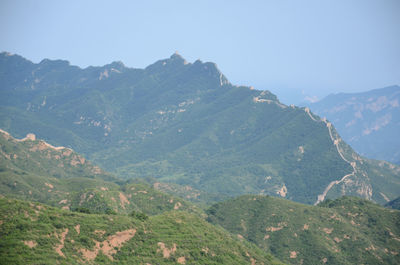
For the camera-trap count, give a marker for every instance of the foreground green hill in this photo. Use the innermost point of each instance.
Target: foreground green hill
(184, 123)
(34, 170)
(32, 233)
(344, 231)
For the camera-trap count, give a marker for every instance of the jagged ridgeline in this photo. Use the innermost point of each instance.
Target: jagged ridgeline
(33, 233)
(184, 123)
(348, 230)
(37, 171)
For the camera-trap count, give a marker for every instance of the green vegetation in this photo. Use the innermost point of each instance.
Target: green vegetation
(105, 220)
(32, 170)
(184, 123)
(128, 198)
(138, 215)
(32, 233)
(343, 231)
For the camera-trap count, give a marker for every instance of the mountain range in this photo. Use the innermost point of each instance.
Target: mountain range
(88, 216)
(368, 121)
(196, 171)
(186, 125)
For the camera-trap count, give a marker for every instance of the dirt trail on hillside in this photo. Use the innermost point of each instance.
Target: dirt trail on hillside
(61, 245)
(109, 246)
(30, 243)
(166, 251)
(123, 199)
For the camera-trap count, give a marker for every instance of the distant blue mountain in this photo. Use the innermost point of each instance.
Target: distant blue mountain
(368, 121)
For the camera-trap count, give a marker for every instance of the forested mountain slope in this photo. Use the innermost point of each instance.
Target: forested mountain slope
(32, 233)
(184, 123)
(344, 231)
(33, 170)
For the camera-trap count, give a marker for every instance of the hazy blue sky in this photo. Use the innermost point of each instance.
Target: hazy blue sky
(288, 47)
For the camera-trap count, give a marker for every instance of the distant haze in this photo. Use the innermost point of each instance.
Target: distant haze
(297, 49)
